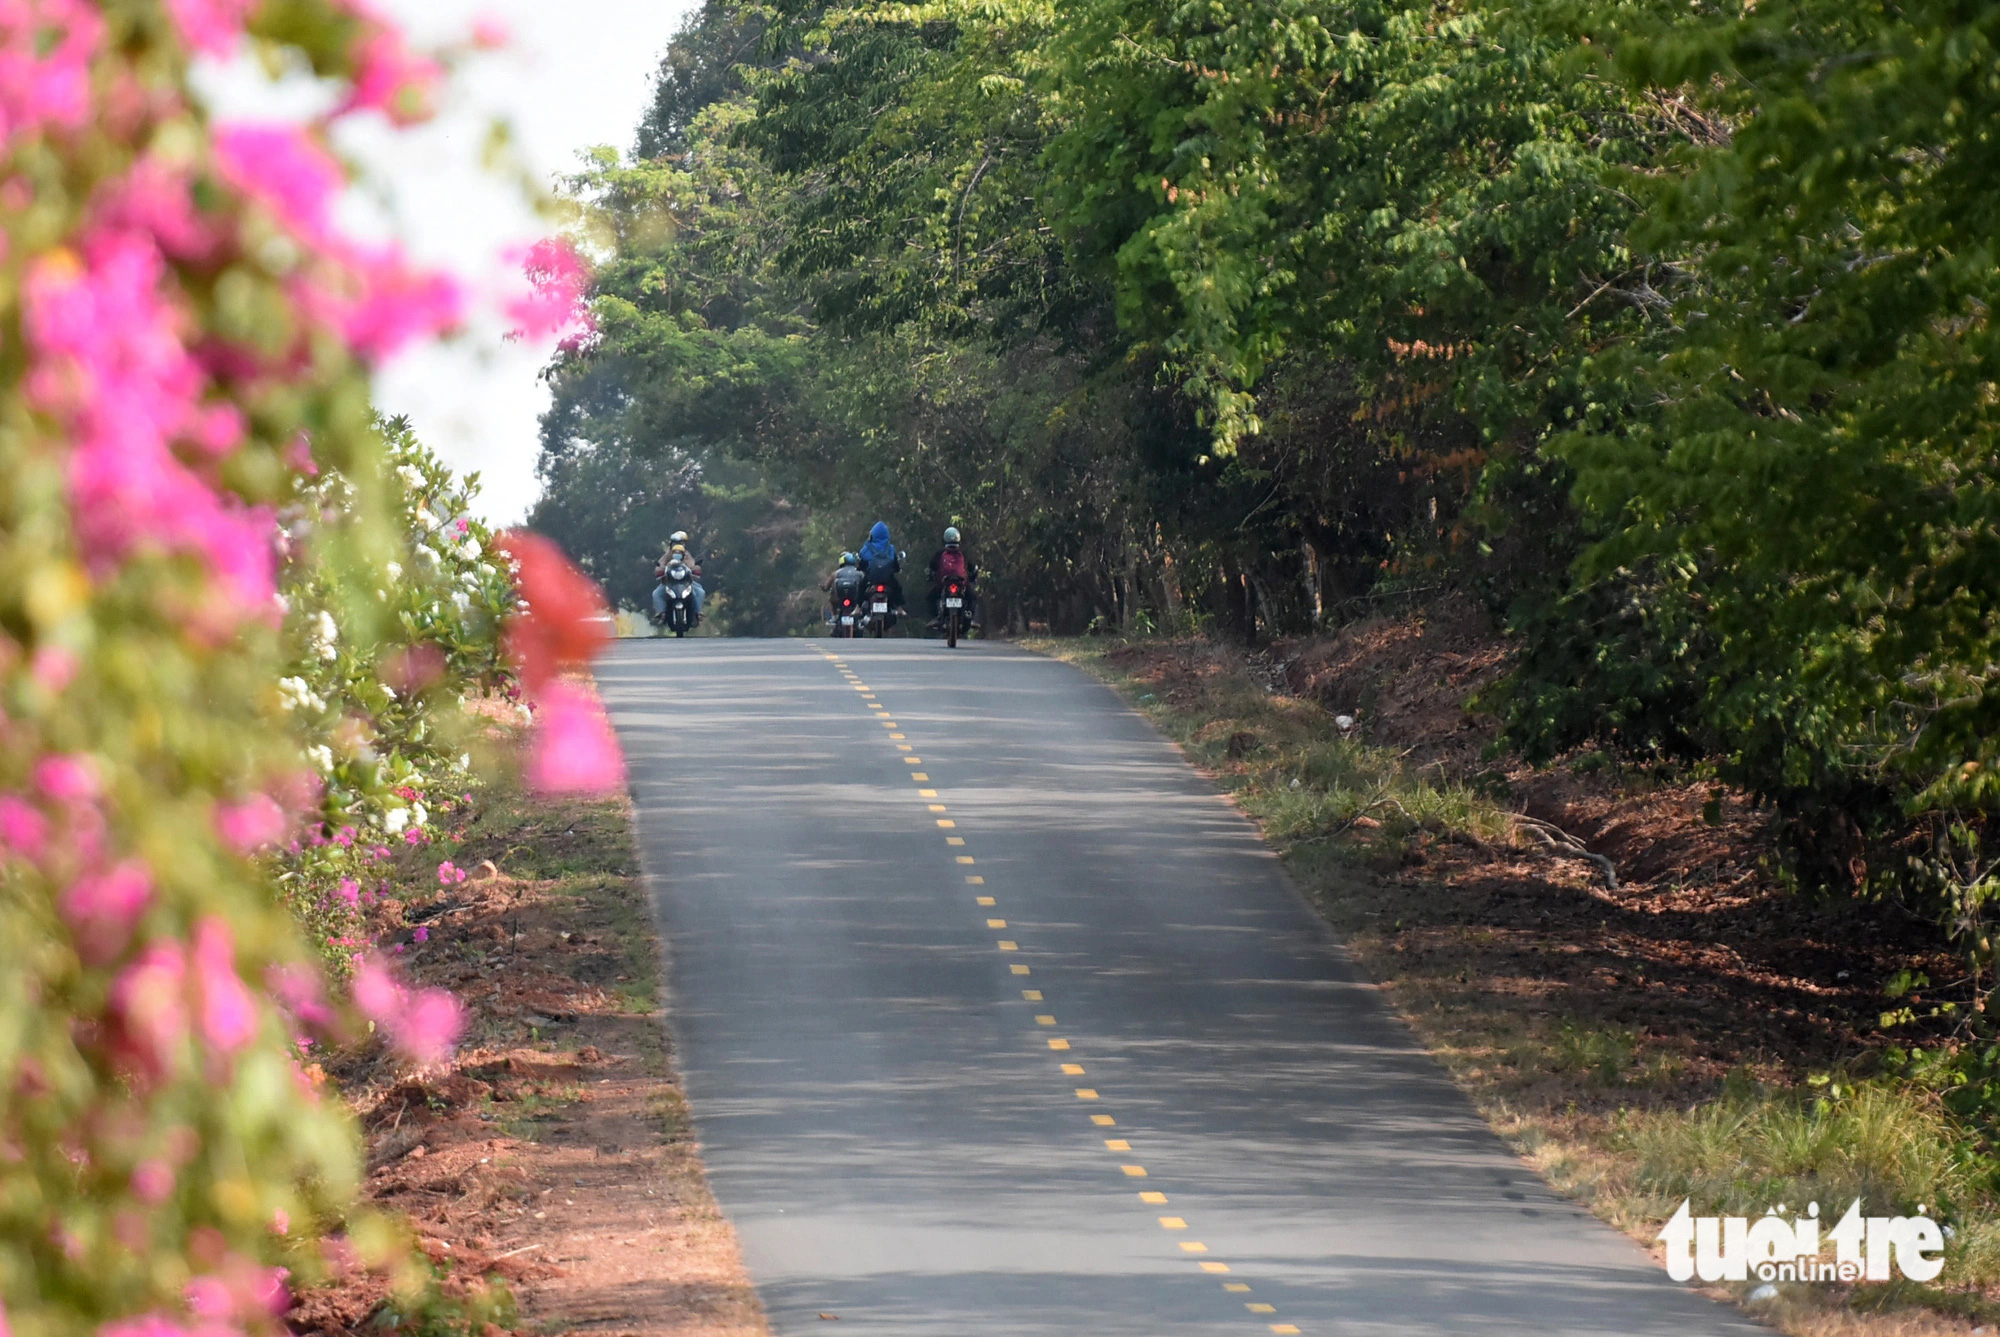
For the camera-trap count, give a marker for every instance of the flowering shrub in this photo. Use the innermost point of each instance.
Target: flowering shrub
(185, 340)
(383, 653)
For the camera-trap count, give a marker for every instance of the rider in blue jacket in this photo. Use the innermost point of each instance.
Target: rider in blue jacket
(882, 562)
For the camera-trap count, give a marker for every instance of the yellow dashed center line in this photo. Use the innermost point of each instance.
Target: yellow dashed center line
(1150, 1197)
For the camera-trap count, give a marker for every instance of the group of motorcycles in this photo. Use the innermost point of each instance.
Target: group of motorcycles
(863, 606)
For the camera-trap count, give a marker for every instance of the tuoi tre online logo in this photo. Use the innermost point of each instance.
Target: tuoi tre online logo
(1776, 1248)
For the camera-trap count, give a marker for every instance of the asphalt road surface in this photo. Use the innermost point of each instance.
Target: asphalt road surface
(996, 1019)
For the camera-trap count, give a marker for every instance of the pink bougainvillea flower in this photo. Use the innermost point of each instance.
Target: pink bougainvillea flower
(445, 871)
(67, 779)
(572, 750)
(251, 824)
(54, 667)
(146, 1325)
(209, 1298)
(157, 198)
(212, 27)
(424, 1025)
(391, 78)
(423, 933)
(490, 32)
(23, 828)
(559, 281)
(152, 1181)
(286, 170)
(297, 991)
(430, 1026)
(102, 908)
(350, 892)
(380, 303)
(109, 359)
(565, 625)
(46, 47)
(228, 1012)
(149, 1002)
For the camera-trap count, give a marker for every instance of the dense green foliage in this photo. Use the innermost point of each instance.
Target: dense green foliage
(1663, 328)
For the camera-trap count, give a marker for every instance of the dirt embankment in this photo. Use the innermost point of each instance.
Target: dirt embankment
(555, 1151)
(1696, 949)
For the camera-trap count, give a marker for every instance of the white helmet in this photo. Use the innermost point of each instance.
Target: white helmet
(678, 536)
(951, 534)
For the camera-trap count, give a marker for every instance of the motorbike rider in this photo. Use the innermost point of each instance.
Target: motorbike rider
(677, 542)
(950, 560)
(848, 578)
(881, 562)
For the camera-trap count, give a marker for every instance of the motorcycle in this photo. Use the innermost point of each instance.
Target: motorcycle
(951, 610)
(847, 608)
(680, 617)
(877, 615)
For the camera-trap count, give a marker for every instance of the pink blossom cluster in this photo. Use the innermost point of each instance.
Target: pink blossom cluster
(174, 993)
(571, 749)
(424, 1023)
(112, 363)
(559, 283)
(46, 49)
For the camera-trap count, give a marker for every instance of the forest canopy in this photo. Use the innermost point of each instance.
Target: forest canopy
(1664, 330)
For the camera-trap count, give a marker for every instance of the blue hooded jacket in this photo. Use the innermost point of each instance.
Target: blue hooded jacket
(878, 548)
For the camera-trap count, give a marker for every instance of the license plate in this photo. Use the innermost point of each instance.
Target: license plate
(847, 620)
(954, 603)
(881, 608)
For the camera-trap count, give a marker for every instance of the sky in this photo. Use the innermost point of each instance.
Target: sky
(575, 74)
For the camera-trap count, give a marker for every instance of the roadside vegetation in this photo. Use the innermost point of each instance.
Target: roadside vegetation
(1661, 1022)
(548, 1171)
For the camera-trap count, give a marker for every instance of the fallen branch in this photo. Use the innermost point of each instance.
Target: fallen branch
(1560, 843)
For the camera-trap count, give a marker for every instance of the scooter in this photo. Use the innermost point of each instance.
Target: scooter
(680, 617)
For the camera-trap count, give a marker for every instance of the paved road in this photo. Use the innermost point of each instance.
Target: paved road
(996, 1019)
